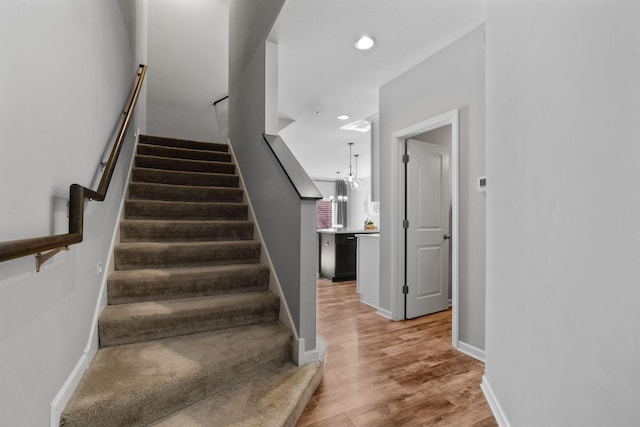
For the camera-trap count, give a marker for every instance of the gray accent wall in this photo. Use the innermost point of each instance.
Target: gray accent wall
(563, 212)
(451, 79)
(286, 222)
(66, 72)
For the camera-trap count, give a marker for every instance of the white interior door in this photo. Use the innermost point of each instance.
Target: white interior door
(428, 232)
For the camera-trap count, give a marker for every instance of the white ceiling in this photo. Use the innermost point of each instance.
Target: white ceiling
(320, 70)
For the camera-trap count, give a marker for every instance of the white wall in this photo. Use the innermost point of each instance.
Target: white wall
(142, 57)
(451, 79)
(327, 188)
(188, 44)
(563, 211)
(65, 75)
(357, 214)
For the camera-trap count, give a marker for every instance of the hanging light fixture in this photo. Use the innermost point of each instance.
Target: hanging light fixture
(350, 178)
(356, 182)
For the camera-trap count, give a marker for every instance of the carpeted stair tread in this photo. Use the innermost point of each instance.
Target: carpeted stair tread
(161, 284)
(276, 398)
(194, 211)
(135, 384)
(130, 256)
(183, 143)
(182, 153)
(144, 321)
(166, 163)
(138, 230)
(184, 193)
(203, 179)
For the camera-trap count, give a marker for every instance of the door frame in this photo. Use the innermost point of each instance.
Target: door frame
(397, 214)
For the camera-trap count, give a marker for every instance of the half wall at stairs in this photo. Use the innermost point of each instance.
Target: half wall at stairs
(287, 223)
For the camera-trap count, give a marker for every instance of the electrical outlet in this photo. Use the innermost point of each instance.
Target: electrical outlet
(100, 268)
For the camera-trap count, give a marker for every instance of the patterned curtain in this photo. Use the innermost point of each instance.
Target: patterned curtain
(341, 210)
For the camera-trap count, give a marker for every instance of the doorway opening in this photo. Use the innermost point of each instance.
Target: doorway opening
(445, 124)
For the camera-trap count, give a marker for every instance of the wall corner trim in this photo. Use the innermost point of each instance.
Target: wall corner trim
(303, 357)
(492, 400)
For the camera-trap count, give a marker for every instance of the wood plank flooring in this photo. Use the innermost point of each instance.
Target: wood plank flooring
(384, 373)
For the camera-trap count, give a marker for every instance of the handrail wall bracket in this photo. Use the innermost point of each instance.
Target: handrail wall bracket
(41, 257)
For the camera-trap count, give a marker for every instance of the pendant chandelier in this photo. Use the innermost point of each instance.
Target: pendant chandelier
(350, 178)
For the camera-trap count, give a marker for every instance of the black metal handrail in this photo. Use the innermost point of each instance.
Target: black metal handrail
(220, 100)
(77, 195)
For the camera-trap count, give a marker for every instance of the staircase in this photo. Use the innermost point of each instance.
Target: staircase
(190, 336)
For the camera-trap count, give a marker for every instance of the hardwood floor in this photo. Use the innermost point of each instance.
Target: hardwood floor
(384, 373)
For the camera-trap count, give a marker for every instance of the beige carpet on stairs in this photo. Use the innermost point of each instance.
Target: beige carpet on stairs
(191, 335)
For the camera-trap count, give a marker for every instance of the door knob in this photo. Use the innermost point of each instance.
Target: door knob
(446, 237)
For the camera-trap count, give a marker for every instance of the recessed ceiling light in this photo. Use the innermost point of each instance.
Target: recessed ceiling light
(359, 126)
(343, 117)
(365, 43)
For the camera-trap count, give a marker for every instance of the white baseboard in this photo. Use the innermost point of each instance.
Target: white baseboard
(384, 313)
(470, 350)
(63, 396)
(369, 304)
(498, 413)
(67, 389)
(303, 357)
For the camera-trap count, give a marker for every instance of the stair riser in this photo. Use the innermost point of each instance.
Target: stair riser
(161, 256)
(181, 153)
(184, 178)
(181, 143)
(185, 212)
(164, 285)
(118, 326)
(175, 193)
(163, 231)
(166, 163)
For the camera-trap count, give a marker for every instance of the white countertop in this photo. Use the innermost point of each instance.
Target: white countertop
(347, 231)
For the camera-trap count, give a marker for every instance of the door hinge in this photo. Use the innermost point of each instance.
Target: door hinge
(405, 223)
(405, 289)
(405, 158)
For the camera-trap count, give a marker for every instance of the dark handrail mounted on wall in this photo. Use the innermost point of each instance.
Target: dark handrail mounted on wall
(220, 100)
(77, 195)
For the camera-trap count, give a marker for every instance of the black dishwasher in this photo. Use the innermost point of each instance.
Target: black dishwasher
(338, 254)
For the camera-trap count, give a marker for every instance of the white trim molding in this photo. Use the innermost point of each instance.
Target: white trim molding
(492, 400)
(384, 313)
(303, 357)
(471, 350)
(398, 137)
